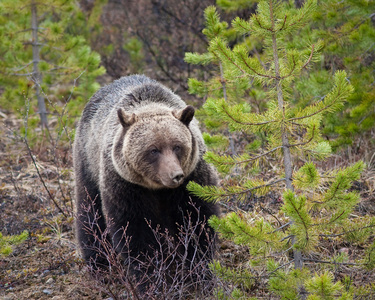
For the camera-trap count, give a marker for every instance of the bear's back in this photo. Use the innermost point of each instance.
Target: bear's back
(107, 97)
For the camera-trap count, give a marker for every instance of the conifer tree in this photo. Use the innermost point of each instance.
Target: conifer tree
(348, 31)
(316, 204)
(45, 55)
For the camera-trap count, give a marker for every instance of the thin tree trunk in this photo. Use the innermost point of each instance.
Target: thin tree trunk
(298, 260)
(36, 74)
(230, 135)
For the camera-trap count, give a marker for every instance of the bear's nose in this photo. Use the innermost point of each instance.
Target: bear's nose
(178, 177)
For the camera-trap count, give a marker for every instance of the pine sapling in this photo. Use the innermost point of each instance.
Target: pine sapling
(315, 203)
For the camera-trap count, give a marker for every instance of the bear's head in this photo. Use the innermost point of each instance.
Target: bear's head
(155, 147)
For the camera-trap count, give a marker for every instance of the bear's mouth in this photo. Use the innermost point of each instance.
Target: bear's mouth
(172, 183)
(158, 183)
(173, 179)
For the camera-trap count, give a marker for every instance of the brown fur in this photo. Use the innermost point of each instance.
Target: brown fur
(137, 146)
(159, 129)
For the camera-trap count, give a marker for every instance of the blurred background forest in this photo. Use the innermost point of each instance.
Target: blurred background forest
(54, 54)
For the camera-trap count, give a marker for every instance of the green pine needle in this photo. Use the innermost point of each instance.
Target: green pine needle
(307, 177)
(214, 27)
(225, 163)
(199, 59)
(7, 241)
(323, 286)
(215, 141)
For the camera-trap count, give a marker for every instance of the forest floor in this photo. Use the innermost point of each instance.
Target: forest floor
(47, 265)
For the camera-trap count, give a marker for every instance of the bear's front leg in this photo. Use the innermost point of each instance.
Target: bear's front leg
(130, 234)
(90, 222)
(124, 212)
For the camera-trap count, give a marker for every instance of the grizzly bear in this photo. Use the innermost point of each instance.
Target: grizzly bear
(136, 148)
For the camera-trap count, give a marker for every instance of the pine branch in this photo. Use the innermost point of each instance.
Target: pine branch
(280, 267)
(196, 58)
(305, 12)
(235, 160)
(22, 74)
(252, 236)
(332, 262)
(301, 218)
(245, 123)
(333, 220)
(291, 71)
(262, 155)
(346, 232)
(313, 114)
(303, 143)
(220, 45)
(310, 57)
(241, 26)
(234, 275)
(213, 193)
(281, 227)
(306, 177)
(23, 67)
(261, 26)
(339, 93)
(284, 23)
(239, 55)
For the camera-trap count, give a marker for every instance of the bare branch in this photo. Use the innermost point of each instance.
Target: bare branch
(35, 164)
(251, 159)
(331, 262)
(310, 57)
(304, 143)
(346, 232)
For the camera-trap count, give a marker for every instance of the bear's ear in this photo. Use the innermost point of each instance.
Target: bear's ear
(125, 119)
(185, 115)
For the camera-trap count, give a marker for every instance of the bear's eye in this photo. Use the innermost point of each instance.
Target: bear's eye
(154, 151)
(177, 148)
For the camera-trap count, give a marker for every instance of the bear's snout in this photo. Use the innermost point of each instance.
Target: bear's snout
(172, 179)
(178, 177)
(169, 171)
